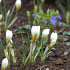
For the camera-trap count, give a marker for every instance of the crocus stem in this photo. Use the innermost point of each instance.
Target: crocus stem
(47, 53)
(46, 49)
(37, 53)
(34, 46)
(29, 55)
(0, 30)
(28, 19)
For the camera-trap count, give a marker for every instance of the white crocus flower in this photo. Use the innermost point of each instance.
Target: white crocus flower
(0, 17)
(45, 33)
(4, 64)
(53, 38)
(18, 4)
(47, 68)
(9, 35)
(35, 31)
(0, 1)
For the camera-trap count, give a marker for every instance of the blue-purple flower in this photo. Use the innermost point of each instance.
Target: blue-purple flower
(43, 20)
(53, 20)
(34, 14)
(59, 17)
(35, 17)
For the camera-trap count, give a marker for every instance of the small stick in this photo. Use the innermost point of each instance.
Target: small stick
(41, 67)
(12, 21)
(61, 30)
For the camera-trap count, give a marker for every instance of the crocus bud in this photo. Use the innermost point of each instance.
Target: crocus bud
(12, 52)
(8, 13)
(45, 34)
(53, 38)
(4, 64)
(0, 17)
(35, 31)
(67, 16)
(6, 53)
(18, 4)
(14, 59)
(42, 1)
(9, 35)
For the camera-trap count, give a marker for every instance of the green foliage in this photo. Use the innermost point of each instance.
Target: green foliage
(64, 24)
(7, 15)
(67, 52)
(28, 13)
(65, 12)
(66, 40)
(25, 28)
(42, 18)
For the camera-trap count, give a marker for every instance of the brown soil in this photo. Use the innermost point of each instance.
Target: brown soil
(55, 61)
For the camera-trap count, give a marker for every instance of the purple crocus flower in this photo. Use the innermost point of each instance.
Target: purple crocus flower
(53, 20)
(58, 16)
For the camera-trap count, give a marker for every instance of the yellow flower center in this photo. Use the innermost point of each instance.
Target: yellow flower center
(17, 8)
(49, 46)
(7, 41)
(44, 38)
(34, 38)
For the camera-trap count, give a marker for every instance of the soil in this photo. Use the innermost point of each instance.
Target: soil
(55, 60)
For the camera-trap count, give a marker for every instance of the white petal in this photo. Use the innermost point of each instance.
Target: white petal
(45, 32)
(18, 3)
(4, 63)
(35, 30)
(9, 34)
(53, 38)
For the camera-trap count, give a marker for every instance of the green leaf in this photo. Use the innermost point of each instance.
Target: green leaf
(68, 33)
(27, 27)
(66, 52)
(61, 7)
(64, 24)
(28, 13)
(68, 5)
(65, 33)
(16, 30)
(68, 43)
(65, 39)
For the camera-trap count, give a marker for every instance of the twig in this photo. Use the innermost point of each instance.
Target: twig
(41, 67)
(19, 33)
(61, 30)
(12, 21)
